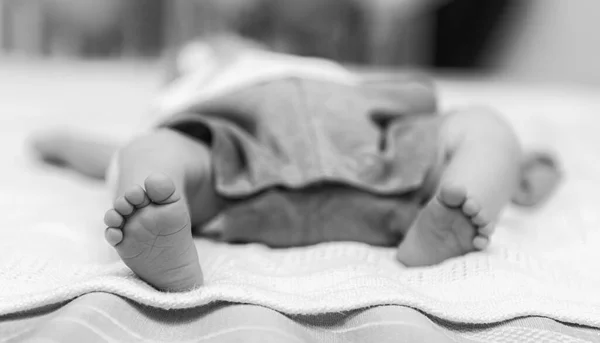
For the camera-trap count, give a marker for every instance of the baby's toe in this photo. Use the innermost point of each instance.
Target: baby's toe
(123, 206)
(137, 196)
(112, 218)
(487, 230)
(481, 219)
(471, 208)
(113, 236)
(160, 189)
(481, 242)
(452, 196)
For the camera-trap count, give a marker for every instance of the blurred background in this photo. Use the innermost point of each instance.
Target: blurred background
(548, 40)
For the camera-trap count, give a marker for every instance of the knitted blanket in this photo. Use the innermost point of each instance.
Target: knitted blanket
(48, 265)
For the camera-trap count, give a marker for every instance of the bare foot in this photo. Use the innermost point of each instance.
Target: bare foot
(451, 225)
(151, 231)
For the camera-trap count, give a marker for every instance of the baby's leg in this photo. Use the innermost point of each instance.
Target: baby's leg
(482, 161)
(150, 226)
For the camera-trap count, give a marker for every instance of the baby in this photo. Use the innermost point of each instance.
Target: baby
(255, 146)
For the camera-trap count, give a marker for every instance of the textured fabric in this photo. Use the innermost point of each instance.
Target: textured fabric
(493, 286)
(101, 317)
(310, 164)
(295, 132)
(310, 158)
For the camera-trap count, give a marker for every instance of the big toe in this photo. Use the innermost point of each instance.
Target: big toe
(160, 189)
(452, 196)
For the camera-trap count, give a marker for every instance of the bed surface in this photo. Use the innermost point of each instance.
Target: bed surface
(111, 100)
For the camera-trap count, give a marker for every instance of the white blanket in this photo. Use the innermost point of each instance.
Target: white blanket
(544, 262)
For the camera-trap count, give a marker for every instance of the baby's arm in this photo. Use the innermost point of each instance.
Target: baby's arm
(85, 155)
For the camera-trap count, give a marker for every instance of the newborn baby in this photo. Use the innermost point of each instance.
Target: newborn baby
(287, 151)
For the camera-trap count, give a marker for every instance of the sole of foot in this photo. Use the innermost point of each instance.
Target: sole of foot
(150, 229)
(451, 224)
